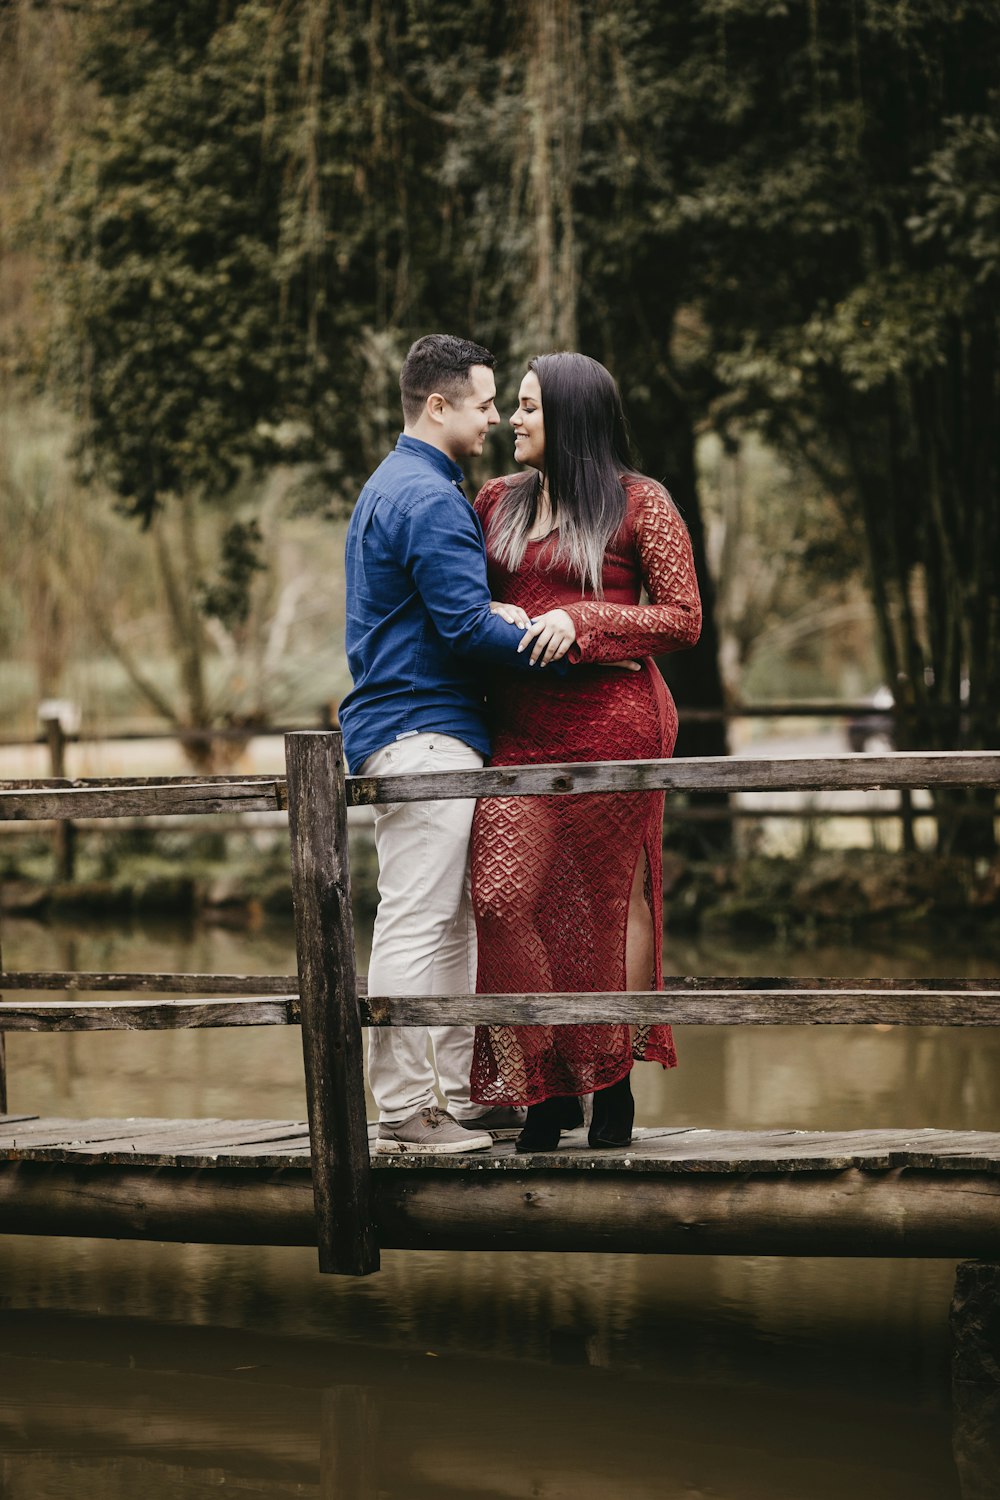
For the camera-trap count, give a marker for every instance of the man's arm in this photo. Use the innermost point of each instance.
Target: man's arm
(442, 546)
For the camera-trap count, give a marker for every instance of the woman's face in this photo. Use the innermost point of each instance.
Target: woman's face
(529, 428)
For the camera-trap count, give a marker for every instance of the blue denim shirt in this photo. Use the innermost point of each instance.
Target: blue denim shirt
(419, 626)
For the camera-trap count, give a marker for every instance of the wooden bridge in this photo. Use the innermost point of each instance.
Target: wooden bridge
(881, 1192)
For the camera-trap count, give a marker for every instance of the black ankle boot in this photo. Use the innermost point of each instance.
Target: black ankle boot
(614, 1112)
(546, 1121)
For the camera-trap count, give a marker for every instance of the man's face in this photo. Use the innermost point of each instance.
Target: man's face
(467, 420)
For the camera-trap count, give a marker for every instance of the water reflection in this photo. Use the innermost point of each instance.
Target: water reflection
(485, 1375)
(104, 1408)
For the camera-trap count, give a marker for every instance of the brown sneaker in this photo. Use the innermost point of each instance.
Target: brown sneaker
(432, 1132)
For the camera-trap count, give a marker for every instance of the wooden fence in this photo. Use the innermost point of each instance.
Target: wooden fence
(328, 999)
(855, 715)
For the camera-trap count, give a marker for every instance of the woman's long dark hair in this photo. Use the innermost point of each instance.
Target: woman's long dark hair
(587, 450)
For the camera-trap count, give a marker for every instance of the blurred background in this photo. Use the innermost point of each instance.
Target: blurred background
(221, 225)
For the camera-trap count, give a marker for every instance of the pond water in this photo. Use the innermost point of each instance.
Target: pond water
(164, 1370)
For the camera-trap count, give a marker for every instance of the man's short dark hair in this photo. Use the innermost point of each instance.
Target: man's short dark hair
(439, 362)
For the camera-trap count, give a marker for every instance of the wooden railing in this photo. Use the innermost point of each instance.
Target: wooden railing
(853, 714)
(328, 999)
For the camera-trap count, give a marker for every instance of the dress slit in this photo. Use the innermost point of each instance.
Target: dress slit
(648, 980)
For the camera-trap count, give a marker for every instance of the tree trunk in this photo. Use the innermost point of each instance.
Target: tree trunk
(187, 629)
(553, 90)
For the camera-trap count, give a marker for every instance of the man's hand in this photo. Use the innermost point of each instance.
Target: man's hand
(512, 613)
(552, 633)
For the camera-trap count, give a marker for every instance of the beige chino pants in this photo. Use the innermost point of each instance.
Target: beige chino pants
(424, 941)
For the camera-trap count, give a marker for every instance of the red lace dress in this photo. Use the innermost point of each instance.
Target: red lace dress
(552, 876)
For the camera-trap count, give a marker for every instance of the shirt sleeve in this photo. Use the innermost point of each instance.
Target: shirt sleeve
(440, 541)
(672, 618)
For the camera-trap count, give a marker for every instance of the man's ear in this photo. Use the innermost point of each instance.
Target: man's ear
(434, 406)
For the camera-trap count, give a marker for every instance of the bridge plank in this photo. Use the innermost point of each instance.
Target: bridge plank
(285, 1143)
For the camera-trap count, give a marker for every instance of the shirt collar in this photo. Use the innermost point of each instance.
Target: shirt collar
(434, 456)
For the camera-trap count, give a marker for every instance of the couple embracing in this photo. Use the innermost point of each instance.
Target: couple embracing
(512, 631)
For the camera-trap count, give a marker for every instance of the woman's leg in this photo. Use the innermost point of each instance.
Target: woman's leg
(547, 1120)
(640, 956)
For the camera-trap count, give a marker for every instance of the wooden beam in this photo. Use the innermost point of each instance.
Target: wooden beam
(683, 1001)
(725, 1006)
(849, 1213)
(287, 984)
(151, 984)
(703, 774)
(331, 1023)
(130, 783)
(149, 1015)
(173, 797)
(146, 797)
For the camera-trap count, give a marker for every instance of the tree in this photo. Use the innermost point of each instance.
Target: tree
(567, 231)
(167, 238)
(843, 192)
(267, 204)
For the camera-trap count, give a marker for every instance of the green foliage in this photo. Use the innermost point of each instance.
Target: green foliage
(167, 232)
(228, 599)
(961, 206)
(244, 232)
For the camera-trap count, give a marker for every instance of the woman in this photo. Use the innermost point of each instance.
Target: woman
(568, 889)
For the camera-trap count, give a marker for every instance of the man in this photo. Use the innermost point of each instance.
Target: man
(419, 626)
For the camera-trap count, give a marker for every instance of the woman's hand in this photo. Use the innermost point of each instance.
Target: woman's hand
(552, 633)
(512, 613)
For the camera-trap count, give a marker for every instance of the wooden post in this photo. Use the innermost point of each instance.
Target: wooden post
(906, 818)
(331, 1022)
(975, 1334)
(64, 838)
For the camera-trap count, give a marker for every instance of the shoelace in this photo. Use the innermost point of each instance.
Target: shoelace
(431, 1116)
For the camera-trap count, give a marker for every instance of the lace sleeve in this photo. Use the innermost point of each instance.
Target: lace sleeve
(672, 618)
